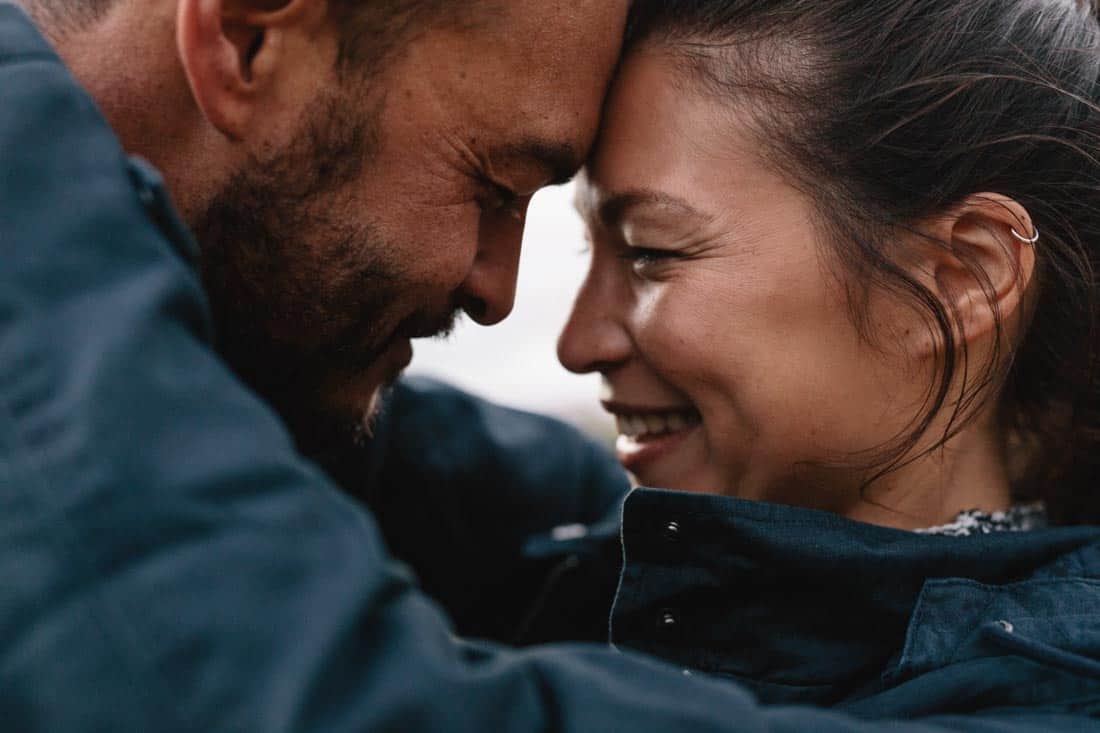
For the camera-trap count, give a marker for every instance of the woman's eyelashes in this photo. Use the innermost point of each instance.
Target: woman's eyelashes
(645, 258)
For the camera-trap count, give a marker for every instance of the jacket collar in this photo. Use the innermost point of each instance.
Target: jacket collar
(19, 38)
(798, 604)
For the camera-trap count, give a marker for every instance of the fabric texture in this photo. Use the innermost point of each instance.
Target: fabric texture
(169, 563)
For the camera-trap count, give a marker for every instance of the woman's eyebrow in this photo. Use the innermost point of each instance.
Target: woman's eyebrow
(614, 208)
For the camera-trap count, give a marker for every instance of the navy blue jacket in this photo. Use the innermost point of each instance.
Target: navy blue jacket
(169, 563)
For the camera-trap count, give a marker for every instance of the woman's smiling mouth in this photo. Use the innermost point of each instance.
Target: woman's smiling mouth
(648, 434)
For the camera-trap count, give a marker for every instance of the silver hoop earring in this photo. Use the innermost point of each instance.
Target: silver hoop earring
(1024, 239)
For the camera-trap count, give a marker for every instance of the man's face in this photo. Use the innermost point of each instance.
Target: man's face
(398, 202)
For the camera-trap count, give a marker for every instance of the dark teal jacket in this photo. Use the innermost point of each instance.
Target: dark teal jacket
(804, 607)
(169, 563)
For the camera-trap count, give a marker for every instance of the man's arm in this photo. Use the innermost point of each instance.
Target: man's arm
(167, 561)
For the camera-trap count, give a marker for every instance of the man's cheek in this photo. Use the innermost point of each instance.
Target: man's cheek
(439, 244)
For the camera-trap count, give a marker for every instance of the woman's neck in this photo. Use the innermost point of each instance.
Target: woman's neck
(969, 472)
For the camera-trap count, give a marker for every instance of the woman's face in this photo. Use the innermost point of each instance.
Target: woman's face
(713, 313)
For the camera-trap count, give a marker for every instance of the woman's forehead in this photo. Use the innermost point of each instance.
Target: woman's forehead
(668, 147)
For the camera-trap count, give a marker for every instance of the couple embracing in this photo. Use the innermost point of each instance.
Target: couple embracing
(841, 296)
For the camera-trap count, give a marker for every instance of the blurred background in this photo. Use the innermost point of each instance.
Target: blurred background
(515, 363)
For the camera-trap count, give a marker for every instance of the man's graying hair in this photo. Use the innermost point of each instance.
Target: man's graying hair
(887, 114)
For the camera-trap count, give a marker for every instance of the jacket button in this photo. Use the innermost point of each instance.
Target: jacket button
(672, 532)
(667, 621)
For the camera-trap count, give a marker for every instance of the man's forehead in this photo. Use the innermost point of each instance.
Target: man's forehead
(525, 90)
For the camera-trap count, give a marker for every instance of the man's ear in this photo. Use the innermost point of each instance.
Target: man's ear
(231, 51)
(983, 274)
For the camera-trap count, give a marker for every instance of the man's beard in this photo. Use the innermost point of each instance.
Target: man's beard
(303, 300)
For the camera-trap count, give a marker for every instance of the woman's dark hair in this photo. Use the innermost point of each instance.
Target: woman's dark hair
(889, 112)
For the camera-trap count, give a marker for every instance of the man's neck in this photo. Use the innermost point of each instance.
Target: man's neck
(126, 60)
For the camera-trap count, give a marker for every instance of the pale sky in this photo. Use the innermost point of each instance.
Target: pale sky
(514, 363)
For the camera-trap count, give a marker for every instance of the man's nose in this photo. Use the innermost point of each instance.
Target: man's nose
(489, 291)
(594, 339)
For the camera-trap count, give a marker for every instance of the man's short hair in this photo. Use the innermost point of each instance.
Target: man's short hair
(59, 17)
(371, 31)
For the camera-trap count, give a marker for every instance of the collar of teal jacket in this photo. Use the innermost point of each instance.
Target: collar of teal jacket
(18, 38)
(806, 606)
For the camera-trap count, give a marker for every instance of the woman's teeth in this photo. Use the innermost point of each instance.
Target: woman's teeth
(655, 424)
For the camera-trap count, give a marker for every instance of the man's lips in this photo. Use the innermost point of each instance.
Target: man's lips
(397, 353)
(422, 327)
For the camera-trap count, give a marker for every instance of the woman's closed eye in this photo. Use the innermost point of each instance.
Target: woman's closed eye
(643, 258)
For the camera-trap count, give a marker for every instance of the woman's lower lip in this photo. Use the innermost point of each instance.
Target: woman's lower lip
(636, 455)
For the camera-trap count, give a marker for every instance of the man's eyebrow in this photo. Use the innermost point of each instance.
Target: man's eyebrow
(561, 161)
(615, 207)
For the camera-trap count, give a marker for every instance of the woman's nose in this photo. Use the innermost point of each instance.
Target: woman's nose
(594, 339)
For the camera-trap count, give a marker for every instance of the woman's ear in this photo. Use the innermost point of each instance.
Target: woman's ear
(231, 51)
(983, 273)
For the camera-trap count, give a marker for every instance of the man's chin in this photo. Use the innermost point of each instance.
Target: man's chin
(368, 418)
(359, 398)
(331, 404)
(362, 392)
(334, 431)
(358, 406)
